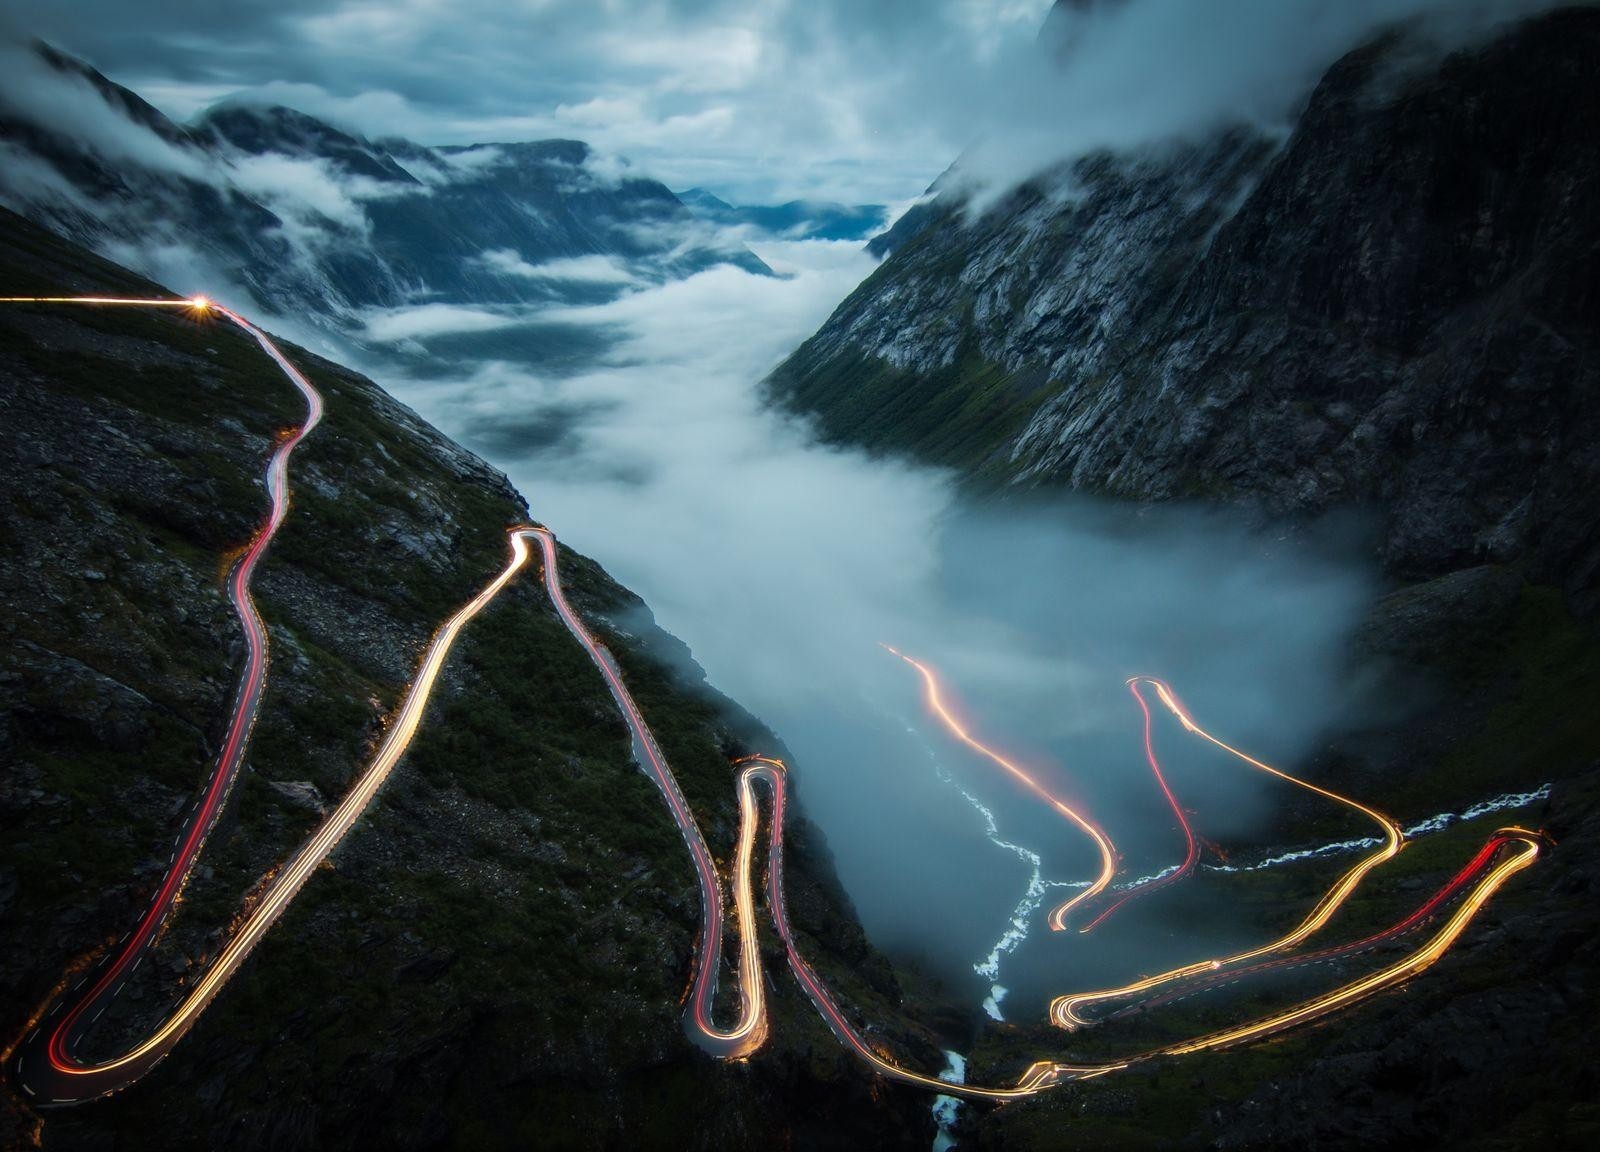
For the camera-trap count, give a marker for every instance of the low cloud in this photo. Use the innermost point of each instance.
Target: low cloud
(1122, 74)
(832, 99)
(552, 430)
(308, 191)
(421, 321)
(578, 269)
(35, 92)
(783, 563)
(142, 219)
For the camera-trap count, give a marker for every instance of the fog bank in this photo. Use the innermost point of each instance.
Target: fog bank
(784, 563)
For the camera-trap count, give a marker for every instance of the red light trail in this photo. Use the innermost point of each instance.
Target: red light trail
(86, 1001)
(48, 1069)
(1191, 855)
(1064, 1011)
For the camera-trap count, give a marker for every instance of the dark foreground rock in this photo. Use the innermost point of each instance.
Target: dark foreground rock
(494, 957)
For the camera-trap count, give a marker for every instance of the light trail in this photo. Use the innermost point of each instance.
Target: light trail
(1526, 847)
(198, 303)
(749, 1031)
(46, 1065)
(1108, 854)
(1191, 856)
(1065, 1011)
(48, 1070)
(57, 1068)
(1035, 1078)
(1040, 1075)
(1473, 868)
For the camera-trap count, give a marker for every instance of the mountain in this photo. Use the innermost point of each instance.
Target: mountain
(1392, 312)
(318, 222)
(1392, 308)
(497, 952)
(795, 219)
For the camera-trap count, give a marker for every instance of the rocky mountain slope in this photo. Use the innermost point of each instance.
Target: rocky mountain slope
(321, 223)
(1394, 308)
(496, 956)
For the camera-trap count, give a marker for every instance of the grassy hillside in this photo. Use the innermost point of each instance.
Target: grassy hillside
(495, 956)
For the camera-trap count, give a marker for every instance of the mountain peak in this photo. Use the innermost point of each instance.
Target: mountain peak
(700, 198)
(257, 129)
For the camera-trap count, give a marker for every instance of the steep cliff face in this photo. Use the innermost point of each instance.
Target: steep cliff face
(1394, 307)
(496, 956)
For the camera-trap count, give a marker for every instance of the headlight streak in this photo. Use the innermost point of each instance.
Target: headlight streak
(749, 1031)
(1042, 1074)
(1065, 1010)
(48, 1071)
(1108, 854)
(1191, 856)
(73, 1005)
(1473, 868)
(1526, 847)
(197, 303)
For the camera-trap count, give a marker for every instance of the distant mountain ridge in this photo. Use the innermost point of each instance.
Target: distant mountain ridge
(794, 219)
(316, 221)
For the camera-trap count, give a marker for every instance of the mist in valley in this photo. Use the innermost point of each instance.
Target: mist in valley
(786, 564)
(629, 412)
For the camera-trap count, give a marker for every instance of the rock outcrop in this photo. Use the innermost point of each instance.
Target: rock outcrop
(1393, 308)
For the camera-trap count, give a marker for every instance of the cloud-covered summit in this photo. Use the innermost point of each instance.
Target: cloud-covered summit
(759, 101)
(302, 218)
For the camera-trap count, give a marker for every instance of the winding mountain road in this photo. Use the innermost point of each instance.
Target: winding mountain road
(47, 1063)
(47, 1066)
(1066, 1011)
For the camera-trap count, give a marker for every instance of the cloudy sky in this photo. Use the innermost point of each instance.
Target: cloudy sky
(860, 100)
(767, 98)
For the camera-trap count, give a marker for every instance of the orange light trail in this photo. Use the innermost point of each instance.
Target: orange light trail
(57, 1069)
(1065, 1010)
(1191, 855)
(1102, 843)
(1469, 871)
(1045, 1074)
(49, 1076)
(198, 303)
(1527, 849)
(56, 1075)
(749, 1031)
